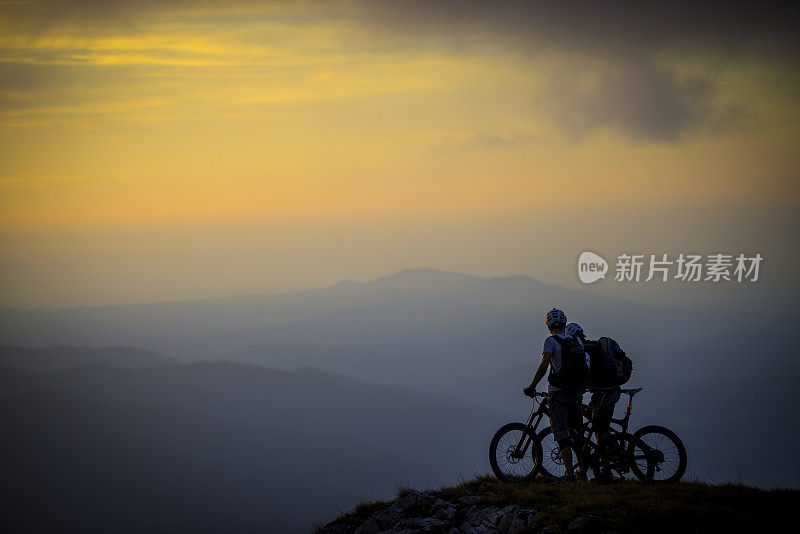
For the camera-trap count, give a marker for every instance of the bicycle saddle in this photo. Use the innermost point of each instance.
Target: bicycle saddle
(631, 392)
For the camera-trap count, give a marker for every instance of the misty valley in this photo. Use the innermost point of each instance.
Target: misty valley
(275, 413)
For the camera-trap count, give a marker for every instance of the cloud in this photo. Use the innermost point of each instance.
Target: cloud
(638, 99)
(93, 16)
(623, 83)
(622, 27)
(619, 26)
(486, 139)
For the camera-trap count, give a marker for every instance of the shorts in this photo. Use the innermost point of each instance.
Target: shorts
(565, 413)
(602, 403)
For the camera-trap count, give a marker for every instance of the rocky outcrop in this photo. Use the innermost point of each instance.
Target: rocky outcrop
(424, 512)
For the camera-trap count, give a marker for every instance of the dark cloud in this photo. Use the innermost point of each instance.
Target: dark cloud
(588, 26)
(635, 94)
(638, 99)
(622, 27)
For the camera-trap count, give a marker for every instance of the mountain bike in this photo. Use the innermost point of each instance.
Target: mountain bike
(516, 453)
(662, 445)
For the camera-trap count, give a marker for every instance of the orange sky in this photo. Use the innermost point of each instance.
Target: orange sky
(304, 120)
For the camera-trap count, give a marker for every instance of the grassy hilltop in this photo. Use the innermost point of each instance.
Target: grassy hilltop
(484, 505)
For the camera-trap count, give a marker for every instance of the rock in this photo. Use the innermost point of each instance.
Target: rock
(370, 526)
(504, 525)
(516, 521)
(484, 516)
(417, 524)
(386, 518)
(517, 525)
(480, 529)
(413, 499)
(446, 513)
(488, 520)
(471, 511)
(551, 529)
(339, 527)
(440, 503)
(587, 523)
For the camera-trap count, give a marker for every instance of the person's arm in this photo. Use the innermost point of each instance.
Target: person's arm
(540, 372)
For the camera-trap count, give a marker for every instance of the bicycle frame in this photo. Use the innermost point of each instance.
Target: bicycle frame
(623, 423)
(589, 449)
(537, 413)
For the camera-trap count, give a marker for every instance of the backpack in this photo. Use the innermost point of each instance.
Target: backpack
(610, 366)
(574, 372)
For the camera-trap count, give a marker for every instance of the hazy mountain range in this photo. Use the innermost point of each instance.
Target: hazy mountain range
(283, 409)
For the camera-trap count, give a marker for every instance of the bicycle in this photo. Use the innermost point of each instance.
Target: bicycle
(663, 447)
(516, 453)
(510, 445)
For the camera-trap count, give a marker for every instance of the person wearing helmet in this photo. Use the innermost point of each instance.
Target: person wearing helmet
(574, 329)
(564, 356)
(605, 395)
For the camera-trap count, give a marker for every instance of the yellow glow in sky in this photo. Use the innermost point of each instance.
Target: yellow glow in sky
(266, 116)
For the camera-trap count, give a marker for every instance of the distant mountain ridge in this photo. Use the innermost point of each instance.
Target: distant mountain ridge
(477, 339)
(434, 297)
(219, 446)
(68, 356)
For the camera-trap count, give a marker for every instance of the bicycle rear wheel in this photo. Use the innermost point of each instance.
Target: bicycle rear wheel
(622, 456)
(667, 453)
(515, 453)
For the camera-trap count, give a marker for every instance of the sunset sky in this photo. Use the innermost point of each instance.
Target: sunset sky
(168, 150)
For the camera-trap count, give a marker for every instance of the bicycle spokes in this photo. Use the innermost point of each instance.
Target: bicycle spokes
(514, 453)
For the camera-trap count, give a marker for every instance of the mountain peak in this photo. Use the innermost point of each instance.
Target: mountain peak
(425, 273)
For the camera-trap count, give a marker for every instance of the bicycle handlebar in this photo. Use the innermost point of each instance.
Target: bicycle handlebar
(630, 392)
(536, 394)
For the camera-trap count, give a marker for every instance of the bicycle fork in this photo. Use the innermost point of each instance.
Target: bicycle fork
(527, 437)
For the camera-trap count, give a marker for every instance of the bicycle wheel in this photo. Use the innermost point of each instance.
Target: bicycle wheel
(552, 464)
(622, 456)
(667, 453)
(514, 453)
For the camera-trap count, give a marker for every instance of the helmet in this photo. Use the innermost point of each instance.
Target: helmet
(574, 329)
(555, 317)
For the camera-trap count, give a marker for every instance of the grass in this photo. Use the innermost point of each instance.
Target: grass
(631, 507)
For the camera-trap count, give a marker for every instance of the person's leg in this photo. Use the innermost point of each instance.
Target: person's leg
(565, 447)
(599, 422)
(559, 417)
(574, 401)
(603, 410)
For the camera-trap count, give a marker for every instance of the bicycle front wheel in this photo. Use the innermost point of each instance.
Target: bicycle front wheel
(515, 453)
(666, 451)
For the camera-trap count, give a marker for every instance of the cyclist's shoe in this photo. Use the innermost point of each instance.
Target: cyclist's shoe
(580, 475)
(605, 476)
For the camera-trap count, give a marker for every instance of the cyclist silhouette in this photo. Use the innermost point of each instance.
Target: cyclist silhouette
(566, 359)
(605, 394)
